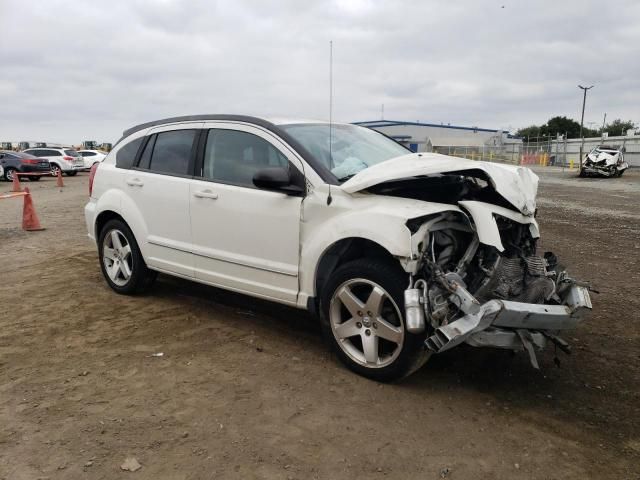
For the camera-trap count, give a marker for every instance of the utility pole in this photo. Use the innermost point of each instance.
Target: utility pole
(584, 101)
(604, 120)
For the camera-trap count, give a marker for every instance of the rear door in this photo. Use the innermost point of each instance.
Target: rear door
(159, 188)
(244, 238)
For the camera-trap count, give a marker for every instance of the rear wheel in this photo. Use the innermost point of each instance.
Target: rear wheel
(8, 174)
(121, 261)
(362, 309)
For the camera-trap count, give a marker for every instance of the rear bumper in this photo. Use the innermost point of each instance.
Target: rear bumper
(89, 218)
(69, 167)
(34, 169)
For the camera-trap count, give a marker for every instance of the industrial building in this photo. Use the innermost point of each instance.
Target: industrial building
(429, 137)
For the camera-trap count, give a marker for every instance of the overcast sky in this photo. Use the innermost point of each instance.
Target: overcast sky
(75, 70)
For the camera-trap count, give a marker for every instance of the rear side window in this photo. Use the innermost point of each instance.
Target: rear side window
(50, 153)
(172, 152)
(71, 153)
(127, 154)
(87, 154)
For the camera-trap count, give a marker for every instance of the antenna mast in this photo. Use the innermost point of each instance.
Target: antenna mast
(330, 101)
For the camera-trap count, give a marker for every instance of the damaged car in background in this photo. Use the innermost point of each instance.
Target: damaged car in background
(401, 255)
(604, 162)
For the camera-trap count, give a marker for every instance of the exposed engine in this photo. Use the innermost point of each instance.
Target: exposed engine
(516, 274)
(469, 285)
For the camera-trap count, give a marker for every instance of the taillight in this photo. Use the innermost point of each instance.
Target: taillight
(67, 158)
(92, 175)
(30, 161)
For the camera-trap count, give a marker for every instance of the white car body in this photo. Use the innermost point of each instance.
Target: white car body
(271, 245)
(604, 162)
(66, 159)
(90, 157)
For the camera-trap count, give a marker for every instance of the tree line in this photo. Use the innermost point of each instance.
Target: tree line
(568, 126)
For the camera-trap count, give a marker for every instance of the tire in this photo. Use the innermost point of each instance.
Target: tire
(582, 174)
(8, 174)
(55, 168)
(123, 266)
(73, 173)
(354, 330)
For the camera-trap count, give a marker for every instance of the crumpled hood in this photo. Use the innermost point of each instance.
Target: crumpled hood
(606, 157)
(518, 185)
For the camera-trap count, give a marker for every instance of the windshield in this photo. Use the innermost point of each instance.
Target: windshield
(71, 153)
(353, 148)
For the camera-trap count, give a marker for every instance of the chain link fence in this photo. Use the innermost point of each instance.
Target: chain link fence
(510, 153)
(545, 152)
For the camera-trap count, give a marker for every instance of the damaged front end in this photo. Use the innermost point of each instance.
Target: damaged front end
(476, 274)
(604, 162)
(501, 295)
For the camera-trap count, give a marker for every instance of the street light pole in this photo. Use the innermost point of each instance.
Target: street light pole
(584, 101)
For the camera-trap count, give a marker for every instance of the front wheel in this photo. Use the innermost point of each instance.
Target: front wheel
(55, 170)
(121, 261)
(362, 307)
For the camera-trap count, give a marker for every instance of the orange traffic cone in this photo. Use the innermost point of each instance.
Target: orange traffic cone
(30, 222)
(59, 183)
(16, 182)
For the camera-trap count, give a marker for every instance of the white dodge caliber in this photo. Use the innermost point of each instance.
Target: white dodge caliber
(400, 254)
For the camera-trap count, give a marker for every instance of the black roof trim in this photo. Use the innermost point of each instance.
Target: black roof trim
(319, 168)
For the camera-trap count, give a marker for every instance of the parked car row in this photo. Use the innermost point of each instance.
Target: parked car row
(47, 160)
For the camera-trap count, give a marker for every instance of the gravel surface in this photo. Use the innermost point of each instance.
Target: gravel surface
(248, 389)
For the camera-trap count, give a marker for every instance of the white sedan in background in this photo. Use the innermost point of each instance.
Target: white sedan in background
(91, 157)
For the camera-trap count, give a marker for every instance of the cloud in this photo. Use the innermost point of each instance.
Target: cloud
(88, 70)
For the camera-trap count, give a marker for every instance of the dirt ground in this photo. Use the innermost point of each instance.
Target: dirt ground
(246, 389)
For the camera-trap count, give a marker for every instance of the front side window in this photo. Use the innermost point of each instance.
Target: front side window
(234, 157)
(172, 152)
(352, 148)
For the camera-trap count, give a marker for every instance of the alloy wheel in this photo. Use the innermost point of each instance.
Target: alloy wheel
(116, 256)
(366, 323)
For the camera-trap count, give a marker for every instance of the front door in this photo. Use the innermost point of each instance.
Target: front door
(244, 238)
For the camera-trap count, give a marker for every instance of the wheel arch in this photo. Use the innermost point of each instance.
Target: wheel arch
(102, 219)
(340, 252)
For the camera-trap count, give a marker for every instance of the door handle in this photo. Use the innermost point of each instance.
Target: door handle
(206, 194)
(135, 183)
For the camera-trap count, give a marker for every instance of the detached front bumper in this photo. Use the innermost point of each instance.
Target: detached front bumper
(507, 324)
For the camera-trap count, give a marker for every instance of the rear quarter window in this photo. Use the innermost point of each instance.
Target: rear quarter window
(126, 156)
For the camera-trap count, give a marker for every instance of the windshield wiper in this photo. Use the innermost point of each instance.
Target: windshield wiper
(346, 177)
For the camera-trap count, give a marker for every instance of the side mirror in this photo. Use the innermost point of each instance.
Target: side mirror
(278, 179)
